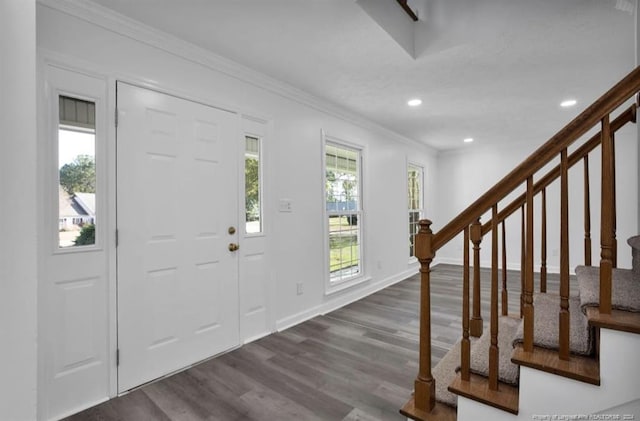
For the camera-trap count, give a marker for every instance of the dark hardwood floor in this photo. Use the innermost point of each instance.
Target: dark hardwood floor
(356, 363)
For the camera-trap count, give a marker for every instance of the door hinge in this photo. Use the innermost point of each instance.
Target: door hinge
(116, 117)
(117, 357)
(117, 237)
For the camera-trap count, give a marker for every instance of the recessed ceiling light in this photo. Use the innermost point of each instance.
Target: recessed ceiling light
(568, 103)
(414, 102)
(468, 140)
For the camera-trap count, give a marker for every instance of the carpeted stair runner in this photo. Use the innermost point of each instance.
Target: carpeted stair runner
(625, 286)
(546, 323)
(507, 371)
(445, 371)
(625, 296)
(510, 332)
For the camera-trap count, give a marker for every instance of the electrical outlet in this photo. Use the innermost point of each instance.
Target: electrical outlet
(299, 288)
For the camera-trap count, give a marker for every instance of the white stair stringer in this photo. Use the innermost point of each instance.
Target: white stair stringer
(546, 396)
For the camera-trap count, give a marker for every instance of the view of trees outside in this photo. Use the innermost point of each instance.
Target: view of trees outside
(79, 175)
(253, 207)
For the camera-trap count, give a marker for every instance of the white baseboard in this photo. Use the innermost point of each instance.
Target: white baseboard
(338, 300)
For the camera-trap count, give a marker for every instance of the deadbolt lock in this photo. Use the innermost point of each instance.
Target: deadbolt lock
(233, 247)
(232, 230)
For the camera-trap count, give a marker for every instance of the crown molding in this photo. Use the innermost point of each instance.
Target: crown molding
(107, 19)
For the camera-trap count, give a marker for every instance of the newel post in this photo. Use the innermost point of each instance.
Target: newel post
(425, 384)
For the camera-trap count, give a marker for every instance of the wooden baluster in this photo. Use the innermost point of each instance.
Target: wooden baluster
(563, 340)
(465, 363)
(523, 246)
(505, 294)
(494, 351)
(475, 233)
(606, 219)
(614, 244)
(528, 281)
(587, 214)
(543, 242)
(425, 384)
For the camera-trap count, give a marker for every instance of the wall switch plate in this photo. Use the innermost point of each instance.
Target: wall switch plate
(299, 288)
(286, 205)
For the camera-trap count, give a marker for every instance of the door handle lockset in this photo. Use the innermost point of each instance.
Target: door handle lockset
(233, 247)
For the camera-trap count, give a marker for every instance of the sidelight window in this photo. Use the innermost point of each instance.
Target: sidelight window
(253, 185)
(76, 172)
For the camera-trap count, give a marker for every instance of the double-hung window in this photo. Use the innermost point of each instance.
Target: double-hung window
(414, 188)
(343, 201)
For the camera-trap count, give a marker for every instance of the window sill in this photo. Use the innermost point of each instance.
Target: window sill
(335, 287)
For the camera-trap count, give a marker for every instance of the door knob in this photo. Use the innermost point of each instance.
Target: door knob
(233, 247)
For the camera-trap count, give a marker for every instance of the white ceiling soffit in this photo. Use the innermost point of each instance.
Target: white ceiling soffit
(396, 22)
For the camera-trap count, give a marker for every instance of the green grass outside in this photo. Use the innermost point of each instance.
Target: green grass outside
(344, 250)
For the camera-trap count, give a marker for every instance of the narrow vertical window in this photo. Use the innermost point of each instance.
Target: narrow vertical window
(414, 179)
(252, 185)
(343, 206)
(76, 172)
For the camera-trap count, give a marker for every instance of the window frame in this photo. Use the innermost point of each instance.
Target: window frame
(410, 210)
(335, 285)
(90, 92)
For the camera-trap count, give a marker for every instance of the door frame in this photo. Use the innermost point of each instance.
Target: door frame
(239, 153)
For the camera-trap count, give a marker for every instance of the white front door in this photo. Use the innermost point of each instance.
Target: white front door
(177, 198)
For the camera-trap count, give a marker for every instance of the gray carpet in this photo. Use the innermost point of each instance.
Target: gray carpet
(508, 372)
(444, 373)
(546, 322)
(625, 288)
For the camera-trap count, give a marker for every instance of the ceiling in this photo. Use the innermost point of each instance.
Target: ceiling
(494, 70)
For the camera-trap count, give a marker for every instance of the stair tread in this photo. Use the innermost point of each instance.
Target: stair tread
(505, 398)
(621, 320)
(546, 325)
(440, 412)
(578, 367)
(624, 285)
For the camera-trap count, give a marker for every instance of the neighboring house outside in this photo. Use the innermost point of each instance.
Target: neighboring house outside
(75, 210)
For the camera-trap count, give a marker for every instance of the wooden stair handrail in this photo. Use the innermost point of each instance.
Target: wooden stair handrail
(629, 115)
(603, 106)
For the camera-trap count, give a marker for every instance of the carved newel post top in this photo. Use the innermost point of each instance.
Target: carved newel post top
(425, 225)
(424, 239)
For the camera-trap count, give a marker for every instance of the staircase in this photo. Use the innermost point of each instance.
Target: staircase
(563, 355)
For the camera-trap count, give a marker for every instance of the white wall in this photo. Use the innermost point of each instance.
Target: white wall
(293, 159)
(470, 172)
(18, 363)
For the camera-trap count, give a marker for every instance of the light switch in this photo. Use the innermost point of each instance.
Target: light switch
(286, 205)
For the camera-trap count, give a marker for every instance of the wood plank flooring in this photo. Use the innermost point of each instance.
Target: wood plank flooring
(356, 363)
